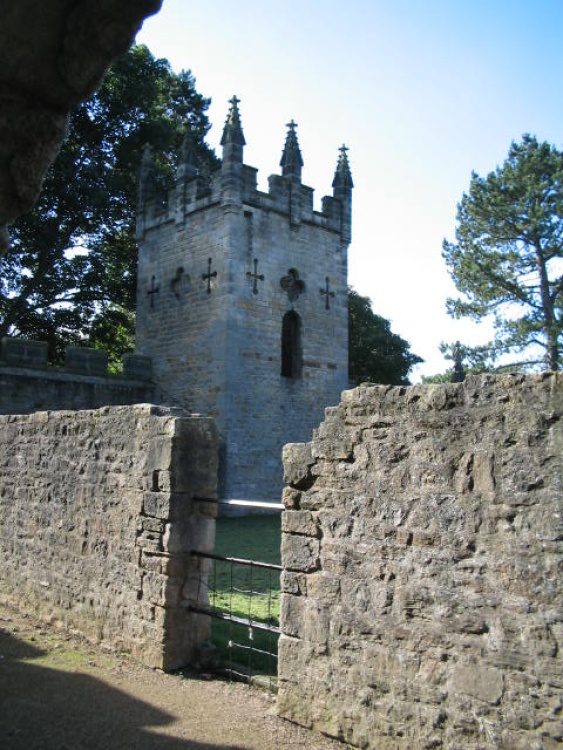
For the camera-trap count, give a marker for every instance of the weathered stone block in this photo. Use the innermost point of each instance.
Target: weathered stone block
(300, 522)
(300, 553)
(478, 681)
(292, 611)
(334, 440)
(324, 587)
(291, 498)
(149, 542)
(293, 583)
(157, 504)
(297, 462)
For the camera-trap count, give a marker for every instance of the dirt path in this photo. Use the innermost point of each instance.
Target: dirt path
(60, 693)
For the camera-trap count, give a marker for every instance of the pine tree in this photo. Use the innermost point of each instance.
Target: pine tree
(507, 261)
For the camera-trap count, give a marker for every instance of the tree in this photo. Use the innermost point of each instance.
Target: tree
(71, 273)
(375, 353)
(465, 361)
(507, 260)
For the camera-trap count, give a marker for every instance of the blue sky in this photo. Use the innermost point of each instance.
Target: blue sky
(422, 93)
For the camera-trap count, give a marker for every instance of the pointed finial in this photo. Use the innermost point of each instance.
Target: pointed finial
(188, 153)
(232, 132)
(188, 161)
(291, 160)
(343, 175)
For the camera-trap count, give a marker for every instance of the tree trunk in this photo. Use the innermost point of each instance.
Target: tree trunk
(549, 325)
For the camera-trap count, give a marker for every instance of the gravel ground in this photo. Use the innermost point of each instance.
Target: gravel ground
(58, 692)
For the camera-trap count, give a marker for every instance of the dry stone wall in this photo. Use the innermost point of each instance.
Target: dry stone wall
(98, 516)
(422, 604)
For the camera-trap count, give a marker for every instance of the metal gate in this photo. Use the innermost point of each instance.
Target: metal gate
(244, 599)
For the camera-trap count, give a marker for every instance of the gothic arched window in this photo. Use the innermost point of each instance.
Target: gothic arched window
(291, 360)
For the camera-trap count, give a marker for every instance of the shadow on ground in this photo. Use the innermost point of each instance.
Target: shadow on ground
(46, 709)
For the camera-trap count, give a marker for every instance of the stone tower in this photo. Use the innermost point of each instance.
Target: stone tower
(242, 302)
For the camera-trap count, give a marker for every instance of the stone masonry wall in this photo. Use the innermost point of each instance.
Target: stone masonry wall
(422, 604)
(98, 517)
(24, 391)
(219, 353)
(28, 384)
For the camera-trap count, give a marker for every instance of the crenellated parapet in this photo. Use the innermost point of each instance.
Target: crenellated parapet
(234, 184)
(79, 360)
(28, 383)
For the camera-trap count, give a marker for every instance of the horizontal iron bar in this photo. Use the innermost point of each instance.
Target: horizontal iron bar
(237, 560)
(253, 504)
(240, 503)
(269, 682)
(242, 647)
(221, 595)
(249, 592)
(233, 618)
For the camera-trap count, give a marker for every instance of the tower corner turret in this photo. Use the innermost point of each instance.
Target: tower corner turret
(233, 143)
(342, 185)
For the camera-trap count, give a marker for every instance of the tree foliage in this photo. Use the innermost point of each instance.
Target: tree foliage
(48, 290)
(375, 354)
(507, 261)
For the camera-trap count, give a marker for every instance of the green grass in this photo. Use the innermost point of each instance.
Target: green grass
(252, 538)
(245, 591)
